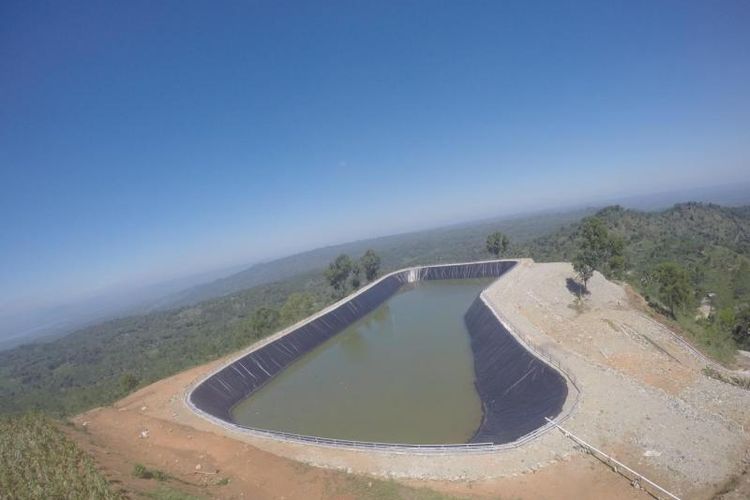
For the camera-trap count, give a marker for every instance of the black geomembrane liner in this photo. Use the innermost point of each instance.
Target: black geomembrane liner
(517, 389)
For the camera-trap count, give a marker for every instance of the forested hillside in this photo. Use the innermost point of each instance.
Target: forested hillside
(445, 244)
(712, 243)
(99, 364)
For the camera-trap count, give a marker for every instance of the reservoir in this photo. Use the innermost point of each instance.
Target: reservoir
(404, 373)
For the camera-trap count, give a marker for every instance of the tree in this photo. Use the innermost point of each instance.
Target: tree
(128, 382)
(674, 285)
(741, 280)
(598, 250)
(338, 272)
(264, 320)
(370, 262)
(355, 272)
(297, 306)
(584, 264)
(741, 329)
(497, 243)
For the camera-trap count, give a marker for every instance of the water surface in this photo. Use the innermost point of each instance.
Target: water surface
(404, 374)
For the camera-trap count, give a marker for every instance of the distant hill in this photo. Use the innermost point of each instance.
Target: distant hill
(43, 323)
(463, 241)
(87, 367)
(452, 243)
(710, 241)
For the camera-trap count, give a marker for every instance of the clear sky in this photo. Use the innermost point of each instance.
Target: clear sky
(141, 140)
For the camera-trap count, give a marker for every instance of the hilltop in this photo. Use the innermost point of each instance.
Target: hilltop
(711, 242)
(101, 363)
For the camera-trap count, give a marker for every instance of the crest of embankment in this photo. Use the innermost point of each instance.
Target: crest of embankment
(506, 373)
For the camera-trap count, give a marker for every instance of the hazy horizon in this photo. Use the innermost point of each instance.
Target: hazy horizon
(70, 313)
(144, 143)
(218, 269)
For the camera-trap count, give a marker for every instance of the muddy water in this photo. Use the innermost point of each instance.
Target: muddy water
(404, 373)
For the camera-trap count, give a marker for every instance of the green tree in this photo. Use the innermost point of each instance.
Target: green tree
(128, 382)
(264, 320)
(338, 272)
(370, 262)
(497, 243)
(741, 280)
(598, 250)
(674, 288)
(297, 306)
(741, 329)
(584, 264)
(355, 275)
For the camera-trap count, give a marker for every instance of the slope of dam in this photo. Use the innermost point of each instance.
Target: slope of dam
(385, 378)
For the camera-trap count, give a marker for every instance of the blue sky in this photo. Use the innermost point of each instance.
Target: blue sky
(141, 140)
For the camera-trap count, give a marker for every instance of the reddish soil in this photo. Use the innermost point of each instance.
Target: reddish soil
(112, 435)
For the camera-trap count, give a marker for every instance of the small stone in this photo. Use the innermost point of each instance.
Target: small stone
(198, 467)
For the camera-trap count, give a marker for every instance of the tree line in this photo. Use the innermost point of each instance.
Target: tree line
(344, 273)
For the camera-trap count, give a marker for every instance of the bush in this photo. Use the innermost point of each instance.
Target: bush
(140, 471)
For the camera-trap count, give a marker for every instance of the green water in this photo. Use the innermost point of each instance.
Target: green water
(404, 373)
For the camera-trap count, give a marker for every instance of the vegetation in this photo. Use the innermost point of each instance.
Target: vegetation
(264, 320)
(711, 243)
(167, 493)
(140, 471)
(370, 262)
(38, 461)
(674, 287)
(100, 364)
(740, 324)
(597, 251)
(338, 273)
(344, 270)
(675, 258)
(459, 243)
(297, 307)
(355, 275)
(497, 244)
(743, 382)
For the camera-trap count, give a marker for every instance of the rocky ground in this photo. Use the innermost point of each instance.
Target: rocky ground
(643, 400)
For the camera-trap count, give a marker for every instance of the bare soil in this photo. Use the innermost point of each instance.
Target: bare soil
(643, 400)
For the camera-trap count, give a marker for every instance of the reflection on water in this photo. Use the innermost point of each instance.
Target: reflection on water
(403, 373)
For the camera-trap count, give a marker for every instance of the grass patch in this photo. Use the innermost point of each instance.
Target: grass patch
(38, 461)
(167, 493)
(140, 471)
(712, 342)
(742, 382)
